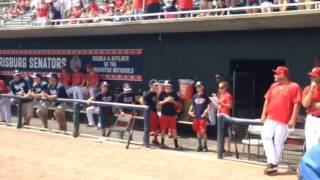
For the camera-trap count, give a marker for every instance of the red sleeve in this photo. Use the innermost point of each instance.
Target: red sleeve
(229, 99)
(296, 93)
(267, 96)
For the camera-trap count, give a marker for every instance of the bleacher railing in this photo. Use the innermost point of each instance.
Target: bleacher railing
(76, 113)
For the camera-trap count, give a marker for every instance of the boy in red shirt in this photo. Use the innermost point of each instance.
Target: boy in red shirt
(311, 101)
(78, 82)
(280, 110)
(92, 9)
(5, 107)
(92, 81)
(42, 12)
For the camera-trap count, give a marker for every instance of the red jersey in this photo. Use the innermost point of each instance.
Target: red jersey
(3, 88)
(118, 4)
(315, 98)
(93, 78)
(281, 99)
(225, 98)
(43, 10)
(77, 79)
(185, 4)
(93, 8)
(152, 2)
(65, 79)
(76, 12)
(137, 4)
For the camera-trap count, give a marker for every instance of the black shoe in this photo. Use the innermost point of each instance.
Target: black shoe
(271, 168)
(155, 142)
(199, 149)
(178, 147)
(162, 146)
(205, 149)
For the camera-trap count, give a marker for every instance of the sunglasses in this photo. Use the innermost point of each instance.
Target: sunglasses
(221, 87)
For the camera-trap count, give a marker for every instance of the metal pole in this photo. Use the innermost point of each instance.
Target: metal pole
(19, 112)
(146, 138)
(76, 119)
(220, 137)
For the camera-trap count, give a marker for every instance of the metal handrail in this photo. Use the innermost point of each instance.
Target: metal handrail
(76, 113)
(192, 12)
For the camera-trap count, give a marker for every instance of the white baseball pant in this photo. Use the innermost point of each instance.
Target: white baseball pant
(5, 110)
(92, 91)
(273, 136)
(77, 92)
(312, 131)
(90, 111)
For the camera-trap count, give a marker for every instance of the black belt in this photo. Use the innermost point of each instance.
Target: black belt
(317, 116)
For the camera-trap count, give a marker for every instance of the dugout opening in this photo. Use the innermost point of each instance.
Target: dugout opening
(251, 79)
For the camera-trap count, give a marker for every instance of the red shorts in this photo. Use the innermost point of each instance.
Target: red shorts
(154, 121)
(199, 125)
(168, 122)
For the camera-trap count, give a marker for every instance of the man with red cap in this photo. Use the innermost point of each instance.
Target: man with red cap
(311, 101)
(280, 110)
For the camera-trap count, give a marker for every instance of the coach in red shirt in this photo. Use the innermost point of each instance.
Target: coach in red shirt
(280, 110)
(311, 101)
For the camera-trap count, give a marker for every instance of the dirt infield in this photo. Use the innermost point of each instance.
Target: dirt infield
(34, 155)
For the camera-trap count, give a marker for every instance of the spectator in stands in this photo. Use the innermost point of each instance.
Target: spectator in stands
(151, 6)
(53, 13)
(117, 6)
(105, 96)
(108, 8)
(78, 81)
(206, 4)
(170, 6)
(225, 105)
(37, 89)
(283, 5)
(127, 7)
(56, 90)
(24, 4)
(168, 101)
(230, 4)
(185, 5)
(252, 3)
(92, 80)
(42, 12)
(266, 6)
(5, 107)
(92, 9)
(199, 111)
(59, 6)
(137, 8)
(20, 87)
(221, 5)
(76, 12)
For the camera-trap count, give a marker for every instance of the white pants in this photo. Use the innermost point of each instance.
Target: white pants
(5, 110)
(90, 111)
(77, 92)
(92, 91)
(312, 131)
(273, 137)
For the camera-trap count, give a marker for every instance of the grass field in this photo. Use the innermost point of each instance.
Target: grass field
(30, 154)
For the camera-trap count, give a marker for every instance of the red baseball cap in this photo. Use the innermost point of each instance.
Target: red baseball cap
(315, 72)
(281, 70)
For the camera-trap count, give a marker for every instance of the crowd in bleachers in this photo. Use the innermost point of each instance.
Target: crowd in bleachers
(14, 9)
(46, 10)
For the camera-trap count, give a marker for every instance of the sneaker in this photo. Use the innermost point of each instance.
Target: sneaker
(199, 149)
(205, 149)
(98, 128)
(227, 153)
(155, 142)
(271, 168)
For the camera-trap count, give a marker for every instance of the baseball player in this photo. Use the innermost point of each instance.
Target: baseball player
(77, 81)
(65, 79)
(92, 80)
(311, 101)
(199, 111)
(224, 106)
(127, 97)
(280, 110)
(55, 90)
(105, 96)
(168, 102)
(150, 99)
(5, 105)
(20, 87)
(37, 89)
(310, 164)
